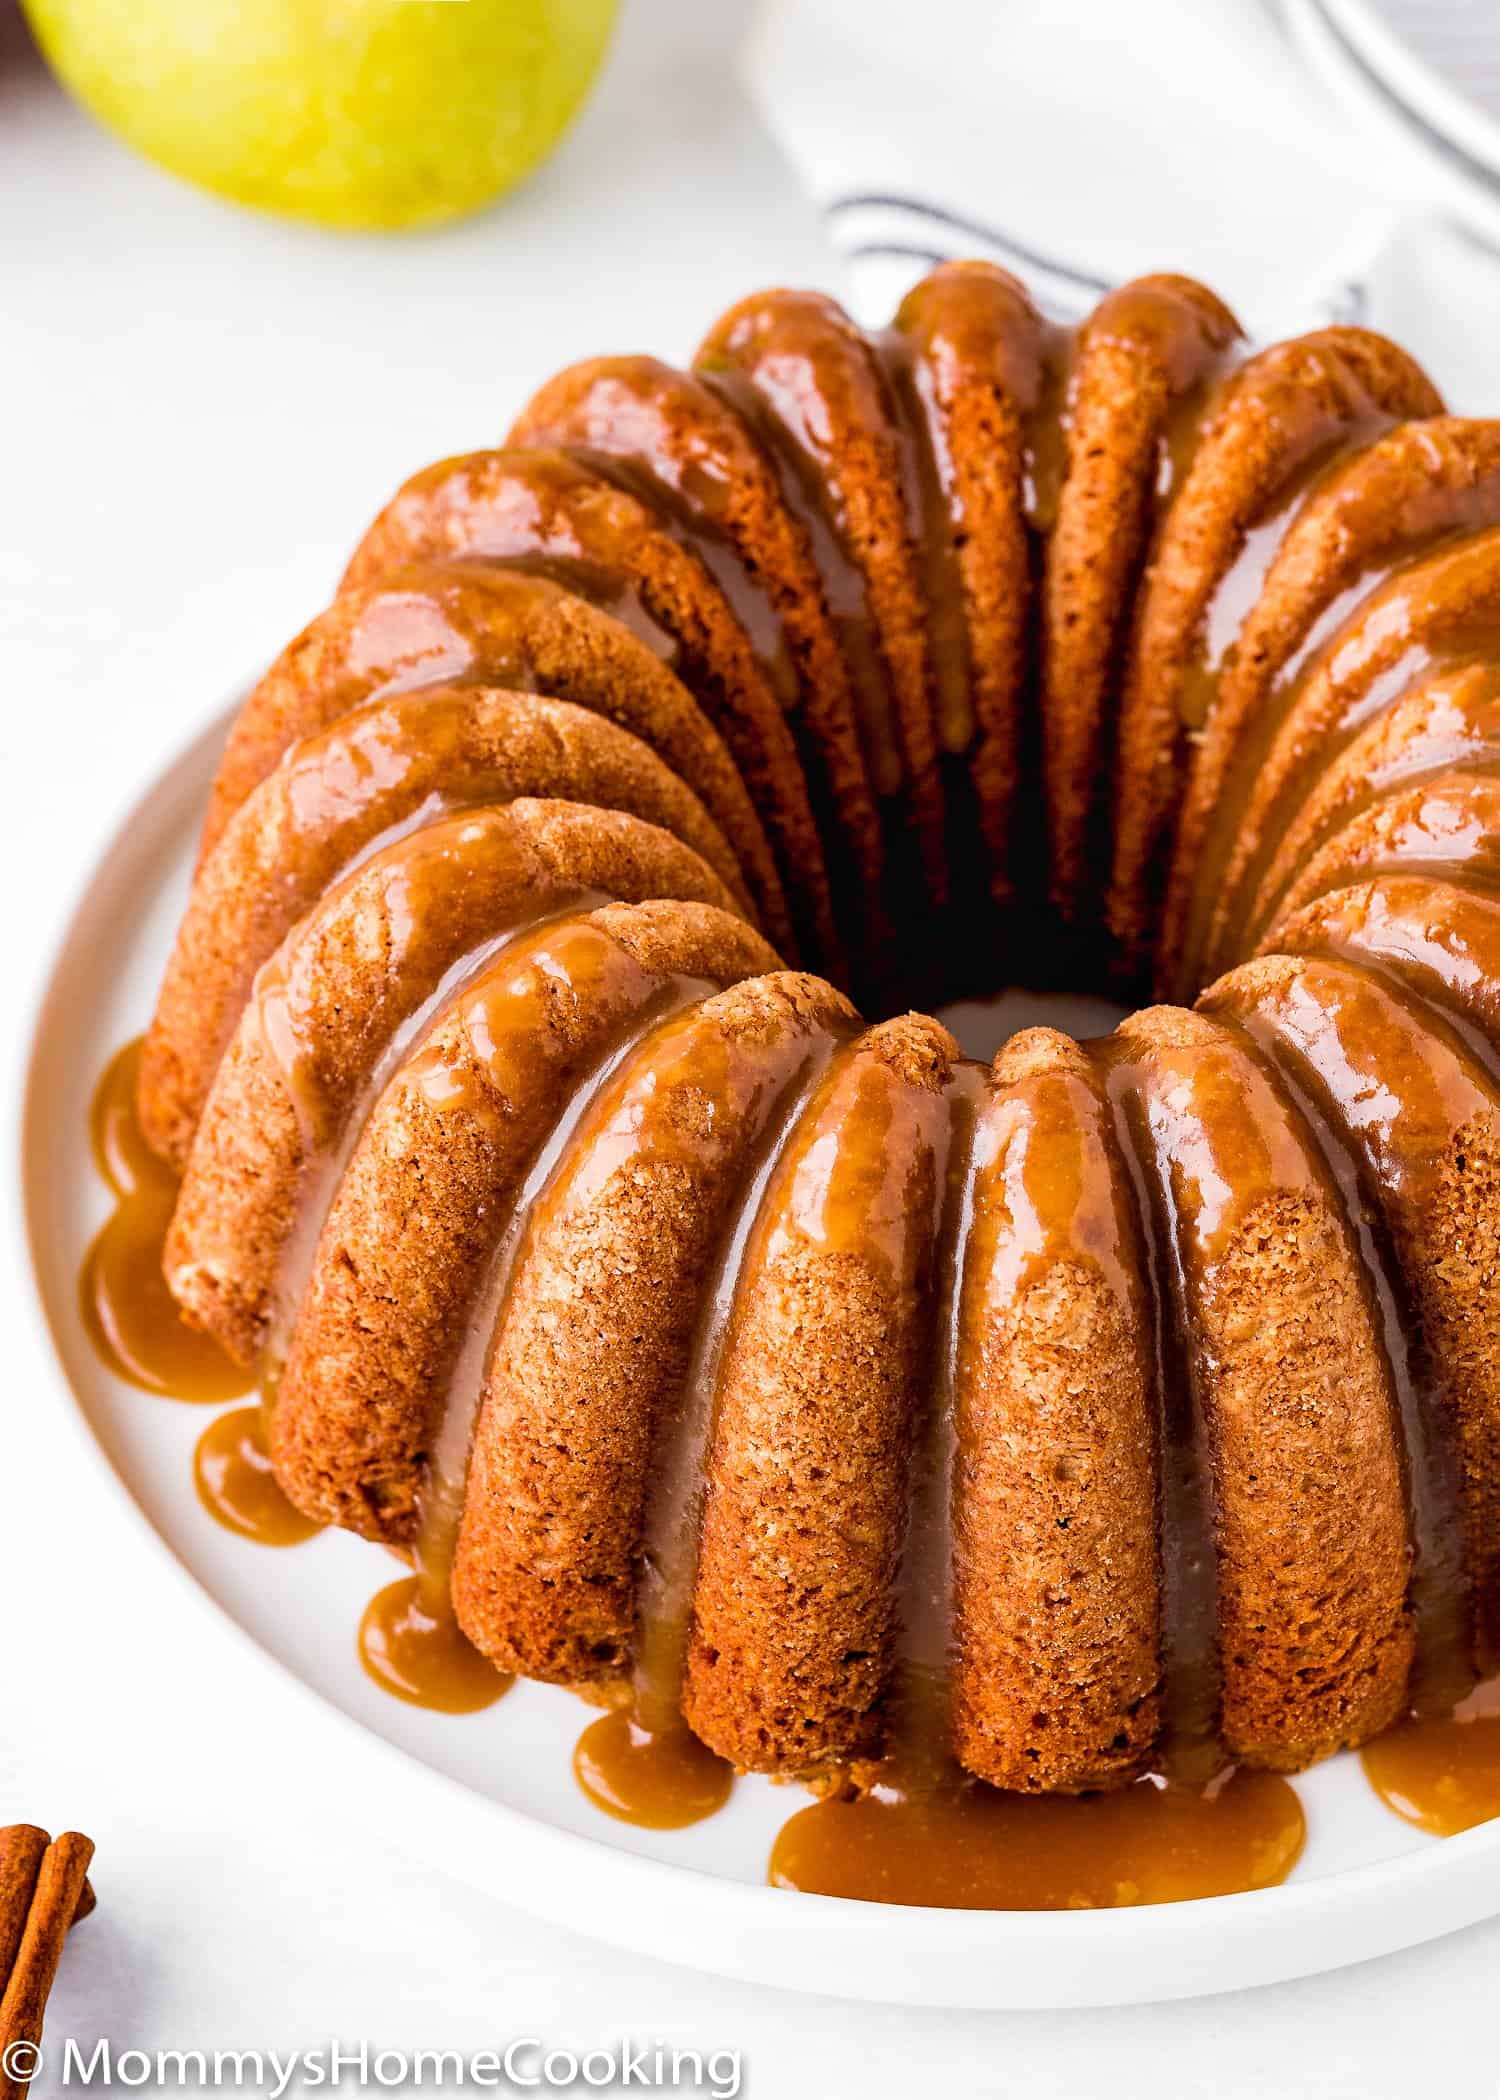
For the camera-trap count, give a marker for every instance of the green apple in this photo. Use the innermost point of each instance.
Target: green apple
(364, 113)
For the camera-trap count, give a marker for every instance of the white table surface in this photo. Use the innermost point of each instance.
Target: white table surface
(199, 412)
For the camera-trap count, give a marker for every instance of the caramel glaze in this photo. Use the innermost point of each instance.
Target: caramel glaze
(965, 365)
(444, 1496)
(543, 513)
(1447, 721)
(1442, 1772)
(1413, 621)
(642, 1762)
(410, 1638)
(1300, 576)
(841, 1258)
(410, 1644)
(634, 1006)
(916, 1827)
(129, 1314)
(791, 429)
(236, 1485)
(977, 1849)
(668, 441)
(1330, 1118)
(1420, 1116)
(1102, 484)
(139, 1332)
(817, 396)
(1291, 410)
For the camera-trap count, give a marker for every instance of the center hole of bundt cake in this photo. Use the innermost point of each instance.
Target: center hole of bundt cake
(982, 1025)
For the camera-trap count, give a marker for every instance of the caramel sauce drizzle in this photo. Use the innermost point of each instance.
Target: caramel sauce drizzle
(641, 1763)
(130, 1315)
(980, 1849)
(409, 1639)
(331, 1128)
(921, 1831)
(1442, 1670)
(1218, 926)
(1242, 584)
(1442, 1771)
(138, 1332)
(784, 432)
(412, 1646)
(1189, 1571)
(232, 1474)
(924, 1832)
(696, 522)
(608, 589)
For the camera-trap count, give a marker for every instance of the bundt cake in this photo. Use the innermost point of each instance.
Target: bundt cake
(1118, 1406)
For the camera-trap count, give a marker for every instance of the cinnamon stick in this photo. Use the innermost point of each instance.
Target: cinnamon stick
(44, 1886)
(22, 1849)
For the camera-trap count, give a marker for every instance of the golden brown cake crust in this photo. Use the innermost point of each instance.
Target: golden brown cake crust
(970, 350)
(1450, 823)
(1450, 719)
(822, 395)
(1445, 601)
(1424, 1118)
(1440, 938)
(1294, 1392)
(1384, 504)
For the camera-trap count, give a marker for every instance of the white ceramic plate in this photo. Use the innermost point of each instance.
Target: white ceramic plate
(491, 1796)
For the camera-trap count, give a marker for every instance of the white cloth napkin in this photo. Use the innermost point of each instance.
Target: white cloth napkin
(1081, 142)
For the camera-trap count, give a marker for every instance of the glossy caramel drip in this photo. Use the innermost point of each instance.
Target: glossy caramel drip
(1189, 1577)
(973, 1848)
(697, 522)
(1047, 426)
(1443, 1772)
(331, 1118)
(411, 1645)
(410, 1640)
(232, 1474)
(658, 1778)
(1391, 632)
(787, 431)
(1439, 1598)
(1367, 1056)
(919, 1752)
(1195, 351)
(607, 588)
(1240, 588)
(962, 319)
(642, 1763)
(128, 1312)
(934, 519)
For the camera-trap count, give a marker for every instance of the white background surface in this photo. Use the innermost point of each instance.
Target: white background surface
(199, 412)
